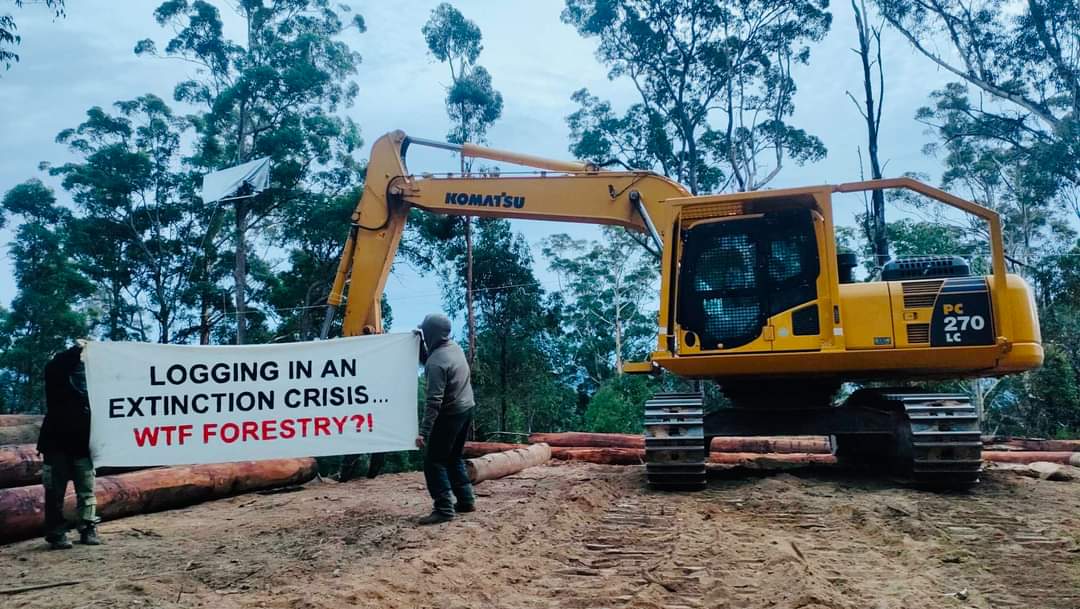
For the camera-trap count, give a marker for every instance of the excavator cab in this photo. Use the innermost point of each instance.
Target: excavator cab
(742, 278)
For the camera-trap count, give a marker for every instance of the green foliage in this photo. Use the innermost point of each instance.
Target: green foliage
(513, 325)
(1025, 56)
(606, 319)
(276, 94)
(689, 60)
(619, 405)
(8, 36)
(471, 102)
(137, 238)
(44, 316)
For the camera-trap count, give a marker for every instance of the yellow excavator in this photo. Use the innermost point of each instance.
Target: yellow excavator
(754, 296)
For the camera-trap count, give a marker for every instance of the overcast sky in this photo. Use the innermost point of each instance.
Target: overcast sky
(69, 65)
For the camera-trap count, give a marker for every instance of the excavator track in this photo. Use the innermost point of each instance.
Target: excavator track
(675, 451)
(944, 443)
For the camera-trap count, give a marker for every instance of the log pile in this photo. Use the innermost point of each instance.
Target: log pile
(763, 444)
(22, 509)
(627, 449)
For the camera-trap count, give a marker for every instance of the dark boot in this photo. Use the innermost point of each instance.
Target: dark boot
(435, 517)
(88, 535)
(466, 499)
(442, 512)
(58, 540)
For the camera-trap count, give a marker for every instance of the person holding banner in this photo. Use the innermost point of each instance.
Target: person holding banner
(447, 417)
(64, 440)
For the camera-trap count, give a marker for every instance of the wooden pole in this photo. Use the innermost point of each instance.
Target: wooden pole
(22, 512)
(497, 465)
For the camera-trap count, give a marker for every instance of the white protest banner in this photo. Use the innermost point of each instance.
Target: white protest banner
(174, 404)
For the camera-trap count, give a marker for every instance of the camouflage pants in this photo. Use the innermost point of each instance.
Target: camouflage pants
(59, 468)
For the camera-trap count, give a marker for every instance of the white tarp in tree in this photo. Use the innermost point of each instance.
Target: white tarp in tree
(177, 404)
(224, 184)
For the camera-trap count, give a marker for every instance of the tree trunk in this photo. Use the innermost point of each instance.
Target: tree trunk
(762, 444)
(20, 465)
(240, 270)
(765, 444)
(497, 465)
(1067, 458)
(765, 460)
(19, 434)
(574, 439)
(604, 456)
(878, 237)
(11, 420)
(470, 309)
(503, 405)
(477, 449)
(22, 512)
(1038, 444)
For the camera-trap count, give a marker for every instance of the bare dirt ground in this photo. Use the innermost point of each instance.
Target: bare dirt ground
(583, 536)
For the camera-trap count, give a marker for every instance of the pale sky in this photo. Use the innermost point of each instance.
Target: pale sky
(536, 61)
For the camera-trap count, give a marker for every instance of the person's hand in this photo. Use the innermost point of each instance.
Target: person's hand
(419, 441)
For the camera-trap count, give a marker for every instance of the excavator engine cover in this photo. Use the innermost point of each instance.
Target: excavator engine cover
(925, 267)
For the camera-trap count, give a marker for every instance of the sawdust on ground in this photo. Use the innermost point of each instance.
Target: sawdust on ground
(582, 536)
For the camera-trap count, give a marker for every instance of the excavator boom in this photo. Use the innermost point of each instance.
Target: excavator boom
(554, 190)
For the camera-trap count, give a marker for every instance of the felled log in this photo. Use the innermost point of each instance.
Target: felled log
(19, 434)
(20, 464)
(11, 420)
(576, 439)
(765, 459)
(606, 456)
(497, 465)
(22, 509)
(763, 444)
(772, 444)
(1035, 444)
(476, 449)
(1004, 456)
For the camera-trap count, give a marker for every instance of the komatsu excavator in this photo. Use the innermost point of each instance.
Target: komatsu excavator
(753, 296)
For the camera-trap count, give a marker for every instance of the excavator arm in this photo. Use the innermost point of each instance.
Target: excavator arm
(552, 190)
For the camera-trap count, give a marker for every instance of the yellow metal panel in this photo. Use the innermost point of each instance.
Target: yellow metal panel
(851, 364)
(784, 330)
(866, 316)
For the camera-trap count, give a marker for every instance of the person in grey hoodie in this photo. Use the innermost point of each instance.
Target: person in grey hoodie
(447, 417)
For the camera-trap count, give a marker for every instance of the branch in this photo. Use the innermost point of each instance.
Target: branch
(1033, 107)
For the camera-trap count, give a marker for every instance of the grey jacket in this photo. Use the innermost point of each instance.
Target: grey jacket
(449, 390)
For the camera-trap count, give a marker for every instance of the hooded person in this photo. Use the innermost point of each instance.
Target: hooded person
(448, 407)
(64, 440)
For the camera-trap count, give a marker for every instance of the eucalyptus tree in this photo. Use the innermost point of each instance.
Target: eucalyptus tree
(715, 86)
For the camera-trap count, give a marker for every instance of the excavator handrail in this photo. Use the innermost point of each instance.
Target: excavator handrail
(997, 242)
